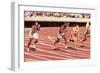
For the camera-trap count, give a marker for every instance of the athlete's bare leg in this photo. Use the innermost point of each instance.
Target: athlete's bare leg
(30, 40)
(57, 41)
(36, 41)
(65, 41)
(33, 47)
(72, 38)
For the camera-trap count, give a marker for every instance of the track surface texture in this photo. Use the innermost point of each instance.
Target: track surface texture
(45, 48)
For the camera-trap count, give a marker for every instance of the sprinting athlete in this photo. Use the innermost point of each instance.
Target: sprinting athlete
(33, 35)
(75, 33)
(86, 34)
(61, 34)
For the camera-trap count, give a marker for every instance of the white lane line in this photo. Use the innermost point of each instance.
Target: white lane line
(46, 56)
(52, 40)
(51, 52)
(62, 46)
(86, 50)
(42, 43)
(70, 50)
(75, 53)
(72, 54)
(55, 53)
(27, 59)
(46, 44)
(87, 45)
(36, 56)
(49, 56)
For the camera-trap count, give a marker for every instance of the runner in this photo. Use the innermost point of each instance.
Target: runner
(33, 35)
(75, 33)
(61, 34)
(86, 34)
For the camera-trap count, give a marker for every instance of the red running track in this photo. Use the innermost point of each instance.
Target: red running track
(45, 48)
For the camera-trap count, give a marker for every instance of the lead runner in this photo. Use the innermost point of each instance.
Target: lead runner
(33, 34)
(61, 34)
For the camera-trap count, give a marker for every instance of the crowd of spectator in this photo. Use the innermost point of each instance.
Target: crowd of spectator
(56, 14)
